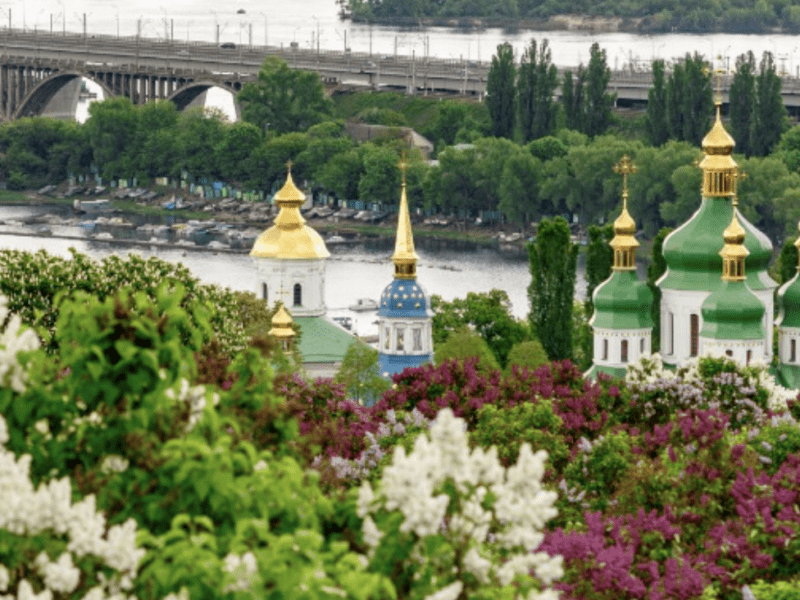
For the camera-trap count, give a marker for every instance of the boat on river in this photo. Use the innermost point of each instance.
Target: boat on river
(364, 304)
(89, 206)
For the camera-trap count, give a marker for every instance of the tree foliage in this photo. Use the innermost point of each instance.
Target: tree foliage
(689, 99)
(282, 100)
(553, 259)
(500, 91)
(537, 80)
(657, 131)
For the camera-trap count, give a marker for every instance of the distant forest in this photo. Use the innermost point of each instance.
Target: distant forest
(735, 16)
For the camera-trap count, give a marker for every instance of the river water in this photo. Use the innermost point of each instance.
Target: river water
(355, 270)
(312, 23)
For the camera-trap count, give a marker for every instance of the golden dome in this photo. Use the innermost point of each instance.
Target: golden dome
(734, 233)
(718, 141)
(290, 237)
(624, 242)
(405, 257)
(797, 241)
(282, 324)
(624, 223)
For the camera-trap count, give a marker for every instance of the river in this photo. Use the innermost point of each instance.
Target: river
(355, 270)
(312, 23)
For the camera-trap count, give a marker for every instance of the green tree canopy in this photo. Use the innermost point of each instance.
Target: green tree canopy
(283, 100)
(464, 344)
(657, 130)
(501, 92)
(537, 80)
(553, 258)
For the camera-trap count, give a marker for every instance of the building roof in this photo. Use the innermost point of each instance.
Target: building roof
(733, 312)
(403, 298)
(622, 302)
(322, 341)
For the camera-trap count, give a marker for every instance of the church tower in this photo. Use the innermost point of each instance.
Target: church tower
(693, 260)
(405, 334)
(622, 322)
(291, 255)
(733, 317)
(789, 328)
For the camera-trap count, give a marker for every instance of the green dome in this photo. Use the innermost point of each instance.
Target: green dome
(622, 302)
(692, 250)
(732, 312)
(789, 303)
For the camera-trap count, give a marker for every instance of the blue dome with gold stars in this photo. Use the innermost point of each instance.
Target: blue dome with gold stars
(403, 298)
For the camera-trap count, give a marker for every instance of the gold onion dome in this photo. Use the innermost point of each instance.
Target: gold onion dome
(718, 142)
(281, 324)
(733, 252)
(290, 237)
(624, 243)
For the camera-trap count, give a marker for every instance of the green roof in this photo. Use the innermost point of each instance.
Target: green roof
(733, 312)
(322, 341)
(789, 303)
(789, 376)
(692, 250)
(618, 372)
(622, 302)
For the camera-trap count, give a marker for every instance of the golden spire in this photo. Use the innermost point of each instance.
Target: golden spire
(733, 252)
(282, 326)
(624, 242)
(404, 257)
(718, 164)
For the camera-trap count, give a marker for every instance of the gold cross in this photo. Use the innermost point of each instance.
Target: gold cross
(625, 167)
(289, 165)
(718, 72)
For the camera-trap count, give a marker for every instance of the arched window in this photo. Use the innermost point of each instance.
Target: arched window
(792, 350)
(298, 294)
(641, 346)
(623, 351)
(729, 352)
(749, 356)
(605, 349)
(264, 291)
(694, 332)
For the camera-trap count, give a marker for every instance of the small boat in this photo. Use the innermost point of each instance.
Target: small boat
(83, 206)
(364, 304)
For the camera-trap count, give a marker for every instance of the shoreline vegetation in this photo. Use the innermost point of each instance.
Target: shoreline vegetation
(635, 17)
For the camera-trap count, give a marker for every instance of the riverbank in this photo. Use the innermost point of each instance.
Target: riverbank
(245, 214)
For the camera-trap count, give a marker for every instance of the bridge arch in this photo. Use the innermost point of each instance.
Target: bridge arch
(35, 101)
(191, 91)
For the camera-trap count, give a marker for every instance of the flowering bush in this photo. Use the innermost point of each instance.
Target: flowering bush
(447, 521)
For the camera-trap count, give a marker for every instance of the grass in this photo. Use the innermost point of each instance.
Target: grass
(15, 197)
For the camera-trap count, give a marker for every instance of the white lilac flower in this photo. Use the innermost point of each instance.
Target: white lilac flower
(450, 592)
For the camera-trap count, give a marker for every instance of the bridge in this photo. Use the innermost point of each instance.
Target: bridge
(40, 72)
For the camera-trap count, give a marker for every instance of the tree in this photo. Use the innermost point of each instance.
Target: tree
(112, 127)
(463, 344)
(770, 114)
(282, 100)
(500, 91)
(536, 83)
(155, 145)
(519, 188)
(359, 374)
(199, 132)
(657, 130)
(689, 99)
(597, 102)
(236, 149)
(380, 181)
(743, 102)
(526, 355)
(656, 268)
(488, 314)
(553, 258)
(570, 100)
(599, 260)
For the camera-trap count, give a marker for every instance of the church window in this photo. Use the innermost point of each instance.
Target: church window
(387, 338)
(417, 333)
(729, 352)
(264, 291)
(749, 356)
(298, 294)
(605, 349)
(694, 333)
(792, 350)
(623, 351)
(400, 341)
(641, 346)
